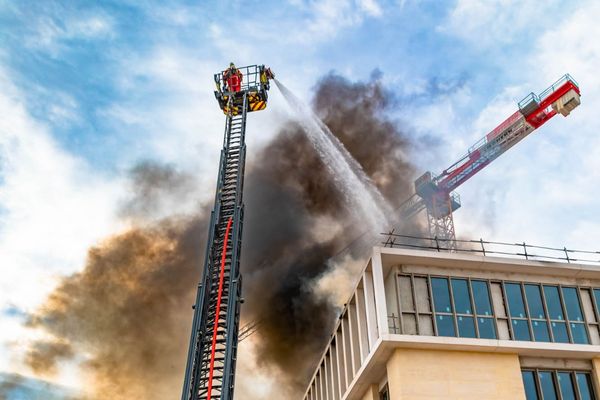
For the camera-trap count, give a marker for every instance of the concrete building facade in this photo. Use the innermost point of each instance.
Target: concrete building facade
(431, 325)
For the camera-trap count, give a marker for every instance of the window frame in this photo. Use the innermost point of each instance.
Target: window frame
(432, 314)
(554, 371)
(431, 326)
(384, 391)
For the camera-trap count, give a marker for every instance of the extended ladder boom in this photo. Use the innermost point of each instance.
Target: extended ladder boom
(210, 369)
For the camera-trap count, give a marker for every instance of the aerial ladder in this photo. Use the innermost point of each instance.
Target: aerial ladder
(435, 193)
(210, 369)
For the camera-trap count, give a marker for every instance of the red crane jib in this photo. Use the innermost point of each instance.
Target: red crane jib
(540, 115)
(436, 193)
(472, 163)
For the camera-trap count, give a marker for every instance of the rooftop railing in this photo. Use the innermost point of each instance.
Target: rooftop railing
(490, 248)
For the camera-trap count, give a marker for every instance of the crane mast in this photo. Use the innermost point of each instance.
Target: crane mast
(436, 195)
(210, 369)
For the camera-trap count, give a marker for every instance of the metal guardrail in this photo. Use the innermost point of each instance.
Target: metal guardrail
(557, 84)
(250, 78)
(484, 247)
(539, 97)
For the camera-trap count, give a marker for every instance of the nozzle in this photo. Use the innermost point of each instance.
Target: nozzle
(269, 73)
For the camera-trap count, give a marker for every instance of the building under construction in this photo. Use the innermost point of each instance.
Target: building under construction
(423, 325)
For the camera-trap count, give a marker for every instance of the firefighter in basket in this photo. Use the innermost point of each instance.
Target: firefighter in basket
(232, 79)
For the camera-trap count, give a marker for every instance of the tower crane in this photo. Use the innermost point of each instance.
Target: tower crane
(435, 193)
(210, 369)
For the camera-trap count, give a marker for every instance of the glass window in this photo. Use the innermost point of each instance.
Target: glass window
(547, 385)
(572, 304)
(515, 300)
(520, 329)
(540, 331)
(566, 386)
(579, 333)
(481, 295)
(462, 297)
(529, 383)
(445, 325)
(534, 301)
(584, 384)
(487, 330)
(385, 393)
(466, 327)
(597, 297)
(441, 295)
(559, 331)
(553, 303)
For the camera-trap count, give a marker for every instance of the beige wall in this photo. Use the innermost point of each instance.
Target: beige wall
(371, 393)
(454, 375)
(596, 373)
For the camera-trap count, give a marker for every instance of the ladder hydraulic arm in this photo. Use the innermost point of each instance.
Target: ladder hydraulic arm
(210, 369)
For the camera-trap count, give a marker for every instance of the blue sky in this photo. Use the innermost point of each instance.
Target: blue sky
(90, 88)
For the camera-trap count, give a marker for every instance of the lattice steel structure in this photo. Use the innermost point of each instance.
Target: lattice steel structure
(210, 370)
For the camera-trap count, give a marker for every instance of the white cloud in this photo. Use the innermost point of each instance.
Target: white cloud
(318, 21)
(49, 34)
(371, 7)
(494, 22)
(544, 189)
(327, 17)
(52, 208)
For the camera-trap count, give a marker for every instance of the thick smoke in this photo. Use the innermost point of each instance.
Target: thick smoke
(297, 220)
(127, 314)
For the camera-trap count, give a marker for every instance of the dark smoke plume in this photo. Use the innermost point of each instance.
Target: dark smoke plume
(289, 195)
(129, 309)
(44, 355)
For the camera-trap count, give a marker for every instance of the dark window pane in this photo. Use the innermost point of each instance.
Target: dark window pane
(445, 325)
(462, 298)
(559, 330)
(547, 385)
(572, 303)
(487, 330)
(540, 331)
(441, 294)
(584, 383)
(466, 327)
(597, 296)
(521, 329)
(481, 294)
(515, 300)
(385, 393)
(579, 334)
(529, 383)
(534, 301)
(553, 302)
(566, 386)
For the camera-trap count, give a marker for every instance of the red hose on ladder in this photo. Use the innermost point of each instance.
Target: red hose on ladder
(220, 293)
